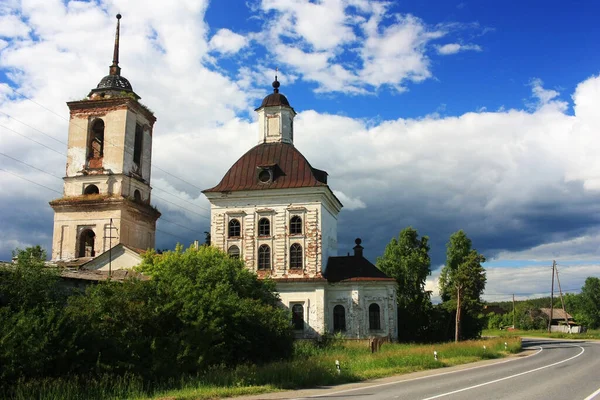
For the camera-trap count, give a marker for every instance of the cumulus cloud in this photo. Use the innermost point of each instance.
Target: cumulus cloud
(358, 47)
(453, 48)
(227, 42)
(522, 182)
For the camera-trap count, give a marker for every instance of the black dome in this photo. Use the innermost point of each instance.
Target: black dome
(117, 82)
(275, 99)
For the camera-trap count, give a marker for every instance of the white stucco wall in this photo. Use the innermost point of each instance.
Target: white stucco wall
(311, 295)
(329, 228)
(277, 205)
(356, 297)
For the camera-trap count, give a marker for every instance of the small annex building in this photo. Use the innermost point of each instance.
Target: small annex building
(277, 213)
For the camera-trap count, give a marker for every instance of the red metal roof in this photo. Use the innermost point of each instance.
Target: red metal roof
(290, 170)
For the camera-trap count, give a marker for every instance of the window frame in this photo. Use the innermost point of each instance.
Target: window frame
(264, 224)
(230, 227)
(336, 318)
(374, 317)
(234, 247)
(263, 261)
(296, 221)
(296, 320)
(294, 262)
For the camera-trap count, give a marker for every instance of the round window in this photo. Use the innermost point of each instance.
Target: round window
(264, 176)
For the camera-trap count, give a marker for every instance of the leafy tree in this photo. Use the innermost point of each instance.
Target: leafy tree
(228, 316)
(462, 282)
(406, 259)
(590, 302)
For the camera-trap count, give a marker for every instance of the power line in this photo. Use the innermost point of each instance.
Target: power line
(36, 129)
(28, 180)
(183, 208)
(182, 226)
(33, 140)
(31, 166)
(180, 198)
(108, 141)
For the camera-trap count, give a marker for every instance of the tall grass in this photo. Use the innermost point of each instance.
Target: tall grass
(312, 365)
(589, 334)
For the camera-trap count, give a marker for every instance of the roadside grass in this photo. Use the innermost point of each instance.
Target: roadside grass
(590, 334)
(312, 365)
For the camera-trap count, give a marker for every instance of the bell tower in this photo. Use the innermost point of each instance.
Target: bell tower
(275, 118)
(107, 193)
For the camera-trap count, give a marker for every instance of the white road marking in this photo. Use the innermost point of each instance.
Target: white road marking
(419, 378)
(591, 396)
(509, 377)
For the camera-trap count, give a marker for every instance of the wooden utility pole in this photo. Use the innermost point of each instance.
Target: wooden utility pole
(513, 311)
(562, 301)
(552, 297)
(457, 324)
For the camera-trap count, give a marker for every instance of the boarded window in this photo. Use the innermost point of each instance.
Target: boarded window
(295, 256)
(234, 228)
(374, 317)
(137, 147)
(233, 251)
(295, 225)
(264, 257)
(96, 142)
(339, 318)
(86, 244)
(264, 227)
(298, 317)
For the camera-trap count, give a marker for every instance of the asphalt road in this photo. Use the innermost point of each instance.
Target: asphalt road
(556, 369)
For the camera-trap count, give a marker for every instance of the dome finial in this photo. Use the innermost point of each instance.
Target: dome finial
(114, 68)
(276, 83)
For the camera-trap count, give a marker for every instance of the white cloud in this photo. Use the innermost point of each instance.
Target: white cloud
(227, 42)
(11, 26)
(453, 48)
(350, 203)
(522, 182)
(351, 47)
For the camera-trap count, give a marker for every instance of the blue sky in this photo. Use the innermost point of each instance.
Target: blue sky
(442, 115)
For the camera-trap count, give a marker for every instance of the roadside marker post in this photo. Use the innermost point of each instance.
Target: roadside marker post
(338, 367)
(435, 355)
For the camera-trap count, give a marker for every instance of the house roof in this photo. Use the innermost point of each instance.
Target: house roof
(557, 313)
(290, 170)
(353, 268)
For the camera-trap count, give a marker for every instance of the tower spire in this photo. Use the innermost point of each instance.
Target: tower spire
(114, 68)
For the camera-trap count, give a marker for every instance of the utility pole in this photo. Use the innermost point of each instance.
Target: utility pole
(513, 311)
(552, 297)
(457, 322)
(110, 250)
(562, 301)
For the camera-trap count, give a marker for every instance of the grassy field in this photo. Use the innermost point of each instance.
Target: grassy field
(311, 366)
(590, 334)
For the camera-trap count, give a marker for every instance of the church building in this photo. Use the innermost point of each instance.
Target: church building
(106, 195)
(277, 213)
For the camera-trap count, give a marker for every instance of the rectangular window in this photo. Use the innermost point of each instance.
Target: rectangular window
(137, 147)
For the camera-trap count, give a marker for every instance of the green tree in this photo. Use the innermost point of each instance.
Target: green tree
(406, 259)
(228, 316)
(590, 302)
(462, 282)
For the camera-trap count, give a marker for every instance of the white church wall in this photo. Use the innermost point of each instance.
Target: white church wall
(311, 295)
(329, 235)
(356, 297)
(278, 207)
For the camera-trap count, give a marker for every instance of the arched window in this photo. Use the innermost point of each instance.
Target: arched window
(374, 317)
(298, 317)
(96, 144)
(137, 196)
(86, 243)
(295, 256)
(339, 318)
(234, 228)
(91, 189)
(264, 227)
(233, 251)
(295, 225)
(264, 257)
(137, 144)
